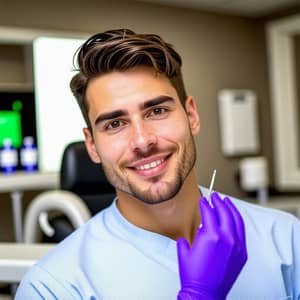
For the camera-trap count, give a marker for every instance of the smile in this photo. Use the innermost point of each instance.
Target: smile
(150, 165)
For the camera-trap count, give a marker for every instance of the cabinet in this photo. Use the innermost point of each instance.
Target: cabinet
(16, 63)
(17, 76)
(16, 67)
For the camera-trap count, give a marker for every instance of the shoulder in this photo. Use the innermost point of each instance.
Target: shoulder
(270, 224)
(275, 230)
(257, 215)
(273, 241)
(65, 258)
(268, 217)
(38, 283)
(56, 272)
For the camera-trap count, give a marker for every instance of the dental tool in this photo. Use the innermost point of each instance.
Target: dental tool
(212, 181)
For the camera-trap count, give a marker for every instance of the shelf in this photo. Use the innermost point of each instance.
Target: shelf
(16, 87)
(22, 181)
(16, 259)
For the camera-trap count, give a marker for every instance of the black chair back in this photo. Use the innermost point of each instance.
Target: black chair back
(80, 175)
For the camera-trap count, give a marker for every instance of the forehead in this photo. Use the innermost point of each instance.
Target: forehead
(127, 89)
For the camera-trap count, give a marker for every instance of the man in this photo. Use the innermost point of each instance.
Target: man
(148, 244)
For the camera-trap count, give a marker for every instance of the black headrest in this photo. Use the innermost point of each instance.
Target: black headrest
(80, 175)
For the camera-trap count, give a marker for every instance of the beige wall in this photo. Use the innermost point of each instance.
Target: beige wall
(218, 52)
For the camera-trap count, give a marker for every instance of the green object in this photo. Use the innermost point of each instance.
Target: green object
(17, 105)
(10, 127)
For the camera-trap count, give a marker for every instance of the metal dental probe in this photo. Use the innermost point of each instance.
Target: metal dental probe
(212, 181)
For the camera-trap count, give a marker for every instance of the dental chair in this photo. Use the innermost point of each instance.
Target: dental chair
(84, 191)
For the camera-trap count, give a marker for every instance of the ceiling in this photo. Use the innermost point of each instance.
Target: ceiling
(247, 8)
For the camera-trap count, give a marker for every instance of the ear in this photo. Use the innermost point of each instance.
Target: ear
(90, 146)
(192, 113)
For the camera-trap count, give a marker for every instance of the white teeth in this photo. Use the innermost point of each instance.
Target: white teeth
(151, 165)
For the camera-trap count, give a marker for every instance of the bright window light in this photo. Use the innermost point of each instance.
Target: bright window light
(58, 116)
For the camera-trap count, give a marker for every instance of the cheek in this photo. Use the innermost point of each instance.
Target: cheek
(178, 132)
(175, 135)
(111, 149)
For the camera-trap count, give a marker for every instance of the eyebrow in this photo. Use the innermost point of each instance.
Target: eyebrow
(120, 112)
(157, 101)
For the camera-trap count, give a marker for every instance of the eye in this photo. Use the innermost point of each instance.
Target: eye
(158, 111)
(115, 124)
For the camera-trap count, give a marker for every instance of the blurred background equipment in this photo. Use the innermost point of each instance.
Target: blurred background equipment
(254, 177)
(238, 122)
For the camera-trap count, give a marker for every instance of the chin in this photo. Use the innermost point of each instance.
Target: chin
(157, 193)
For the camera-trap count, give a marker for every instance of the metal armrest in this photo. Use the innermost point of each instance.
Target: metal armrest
(66, 202)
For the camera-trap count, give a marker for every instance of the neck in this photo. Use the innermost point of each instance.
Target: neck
(177, 217)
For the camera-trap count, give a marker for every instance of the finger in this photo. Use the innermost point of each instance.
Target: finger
(208, 218)
(223, 212)
(238, 220)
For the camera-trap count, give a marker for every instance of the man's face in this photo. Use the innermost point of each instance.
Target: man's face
(141, 133)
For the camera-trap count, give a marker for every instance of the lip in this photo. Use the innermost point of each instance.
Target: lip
(153, 170)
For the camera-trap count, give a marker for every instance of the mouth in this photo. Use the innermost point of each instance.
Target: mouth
(151, 167)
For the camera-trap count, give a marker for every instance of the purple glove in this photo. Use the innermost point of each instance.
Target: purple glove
(211, 265)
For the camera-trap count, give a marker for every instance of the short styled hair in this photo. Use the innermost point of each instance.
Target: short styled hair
(120, 50)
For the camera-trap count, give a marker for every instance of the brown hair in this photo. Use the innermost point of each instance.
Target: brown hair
(121, 50)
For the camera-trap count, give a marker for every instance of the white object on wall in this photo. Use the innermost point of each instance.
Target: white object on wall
(238, 122)
(254, 176)
(254, 173)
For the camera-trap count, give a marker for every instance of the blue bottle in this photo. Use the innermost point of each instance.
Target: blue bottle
(28, 154)
(8, 157)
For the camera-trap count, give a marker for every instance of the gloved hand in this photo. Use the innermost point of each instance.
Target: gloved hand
(211, 265)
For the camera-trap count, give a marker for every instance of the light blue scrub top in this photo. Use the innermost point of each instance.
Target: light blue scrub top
(110, 258)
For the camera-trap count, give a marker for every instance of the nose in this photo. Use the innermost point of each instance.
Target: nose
(143, 138)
